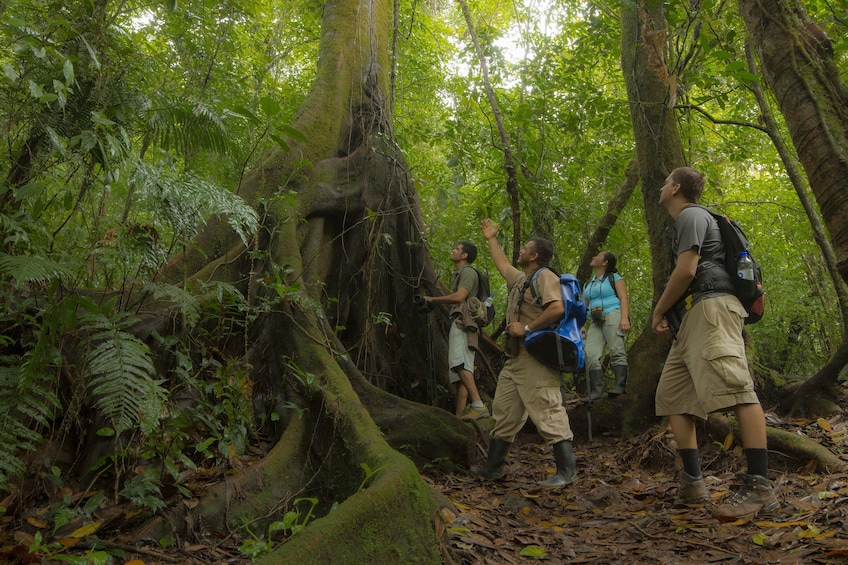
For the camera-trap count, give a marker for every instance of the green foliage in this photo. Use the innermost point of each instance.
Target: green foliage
(293, 521)
(26, 404)
(144, 491)
(120, 373)
(26, 268)
(183, 202)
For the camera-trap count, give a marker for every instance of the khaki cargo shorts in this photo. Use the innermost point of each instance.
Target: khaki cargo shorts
(707, 370)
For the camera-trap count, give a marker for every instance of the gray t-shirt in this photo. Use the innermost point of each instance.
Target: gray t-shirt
(697, 229)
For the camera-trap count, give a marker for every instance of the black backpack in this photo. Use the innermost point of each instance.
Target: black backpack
(483, 293)
(750, 293)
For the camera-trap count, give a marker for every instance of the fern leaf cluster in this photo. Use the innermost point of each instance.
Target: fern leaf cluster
(120, 373)
(183, 202)
(26, 402)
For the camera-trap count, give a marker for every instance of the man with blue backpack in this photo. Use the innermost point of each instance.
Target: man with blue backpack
(526, 387)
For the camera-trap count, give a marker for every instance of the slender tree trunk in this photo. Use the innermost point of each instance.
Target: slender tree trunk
(619, 200)
(509, 159)
(816, 394)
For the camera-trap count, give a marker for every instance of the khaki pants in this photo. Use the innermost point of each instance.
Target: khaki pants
(526, 388)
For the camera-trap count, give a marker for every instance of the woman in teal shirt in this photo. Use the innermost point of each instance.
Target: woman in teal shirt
(609, 320)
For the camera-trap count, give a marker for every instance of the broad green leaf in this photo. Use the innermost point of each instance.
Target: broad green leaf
(281, 142)
(10, 72)
(68, 71)
(270, 106)
(533, 551)
(91, 53)
(293, 133)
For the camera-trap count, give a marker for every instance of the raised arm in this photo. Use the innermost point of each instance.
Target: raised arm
(490, 232)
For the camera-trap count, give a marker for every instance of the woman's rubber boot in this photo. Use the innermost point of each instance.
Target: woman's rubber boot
(620, 372)
(493, 469)
(565, 474)
(594, 385)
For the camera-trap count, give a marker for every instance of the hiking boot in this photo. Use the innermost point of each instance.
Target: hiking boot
(565, 473)
(754, 496)
(475, 414)
(620, 372)
(594, 385)
(691, 490)
(493, 469)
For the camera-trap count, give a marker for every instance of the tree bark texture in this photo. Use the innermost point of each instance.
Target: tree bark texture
(798, 65)
(340, 257)
(650, 93)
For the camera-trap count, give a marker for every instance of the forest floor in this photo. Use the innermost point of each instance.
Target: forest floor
(622, 509)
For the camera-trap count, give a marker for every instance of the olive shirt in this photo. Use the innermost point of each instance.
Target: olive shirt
(465, 278)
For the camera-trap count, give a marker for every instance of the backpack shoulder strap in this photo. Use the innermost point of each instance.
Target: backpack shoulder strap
(611, 279)
(533, 282)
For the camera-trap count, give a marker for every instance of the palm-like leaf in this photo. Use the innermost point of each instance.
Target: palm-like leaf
(25, 398)
(185, 201)
(29, 268)
(120, 372)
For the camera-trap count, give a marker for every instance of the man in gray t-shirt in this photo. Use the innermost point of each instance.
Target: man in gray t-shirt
(706, 369)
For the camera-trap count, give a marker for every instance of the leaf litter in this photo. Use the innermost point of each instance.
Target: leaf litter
(622, 508)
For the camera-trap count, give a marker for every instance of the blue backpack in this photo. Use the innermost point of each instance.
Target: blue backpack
(561, 345)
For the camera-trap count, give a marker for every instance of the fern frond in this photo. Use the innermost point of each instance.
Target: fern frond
(25, 397)
(30, 268)
(188, 126)
(186, 301)
(185, 202)
(119, 369)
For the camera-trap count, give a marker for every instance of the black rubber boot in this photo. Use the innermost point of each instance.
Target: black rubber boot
(565, 474)
(620, 372)
(594, 385)
(493, 469)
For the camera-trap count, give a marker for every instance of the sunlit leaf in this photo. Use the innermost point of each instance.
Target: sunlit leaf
(86, 530)
(533, 551)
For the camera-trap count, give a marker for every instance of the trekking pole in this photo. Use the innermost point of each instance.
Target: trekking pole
(589, 402)
(424, 308)
(431, 364)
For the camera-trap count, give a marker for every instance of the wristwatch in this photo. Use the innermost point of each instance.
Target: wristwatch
(526, 330)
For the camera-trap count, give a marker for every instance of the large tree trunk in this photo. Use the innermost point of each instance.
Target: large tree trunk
(815, 396)
(799, 67)
(342, 226)
(651, 92)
